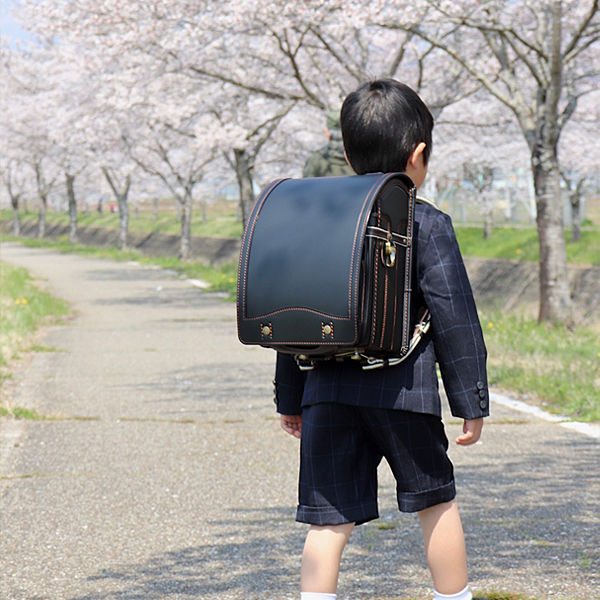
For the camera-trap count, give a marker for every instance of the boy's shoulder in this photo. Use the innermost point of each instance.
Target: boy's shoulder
(428, 214)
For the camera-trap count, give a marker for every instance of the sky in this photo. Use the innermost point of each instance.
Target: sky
(8, 26)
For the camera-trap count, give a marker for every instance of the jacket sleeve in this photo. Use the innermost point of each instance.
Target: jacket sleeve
(456, 330)
(289, 385)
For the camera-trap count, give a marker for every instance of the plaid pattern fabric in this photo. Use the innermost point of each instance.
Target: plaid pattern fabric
(455, 341)
(343, 445)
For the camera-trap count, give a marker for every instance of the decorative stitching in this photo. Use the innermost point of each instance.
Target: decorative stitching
(407, 269)
(396, 278)
(308, 310)
(375, 287)
(385, 296)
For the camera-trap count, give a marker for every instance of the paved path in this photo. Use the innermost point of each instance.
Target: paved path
(167, 477)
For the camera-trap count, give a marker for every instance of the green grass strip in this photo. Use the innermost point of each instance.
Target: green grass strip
(556, 367)
(23, 308)
(522, 245)
(19, 412)
(226, 225)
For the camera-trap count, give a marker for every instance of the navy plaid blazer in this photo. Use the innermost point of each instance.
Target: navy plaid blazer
(454, 341)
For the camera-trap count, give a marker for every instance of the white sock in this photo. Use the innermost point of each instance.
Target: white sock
(314, 596)
(464, 595)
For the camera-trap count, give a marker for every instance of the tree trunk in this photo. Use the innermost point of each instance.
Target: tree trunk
(42, 218)
(72, 208)
(488, 222)
(154, 210)
(16, 219)
(123, 204)
(555, 298)
(576, 216)
(123, 221)
(186, 227)
(243, 171)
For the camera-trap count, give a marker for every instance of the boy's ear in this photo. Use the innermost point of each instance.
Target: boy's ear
(416, 155)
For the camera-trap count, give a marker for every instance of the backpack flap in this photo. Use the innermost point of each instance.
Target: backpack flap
(300, 281)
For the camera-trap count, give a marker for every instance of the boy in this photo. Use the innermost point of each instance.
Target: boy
(348, 418)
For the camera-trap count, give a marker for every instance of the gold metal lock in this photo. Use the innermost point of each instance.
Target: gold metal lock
(327, 329)
(266, 330)
(388, 254)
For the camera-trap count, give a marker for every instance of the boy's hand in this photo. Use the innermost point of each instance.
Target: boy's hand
(471, 432)
(292, 424)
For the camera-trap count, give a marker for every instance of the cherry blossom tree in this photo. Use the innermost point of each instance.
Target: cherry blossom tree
(477, 147)
(67, 106)
(174, 143)
(14, 182)
(110, 125)
(24, 123)
(536, 58)
(579, 158)
(130, 102)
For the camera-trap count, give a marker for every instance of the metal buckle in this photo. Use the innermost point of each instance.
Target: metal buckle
(388, 252)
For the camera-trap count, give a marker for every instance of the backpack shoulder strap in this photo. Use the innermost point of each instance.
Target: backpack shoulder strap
(424, 200)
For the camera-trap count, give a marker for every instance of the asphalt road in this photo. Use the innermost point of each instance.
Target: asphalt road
(164, 473)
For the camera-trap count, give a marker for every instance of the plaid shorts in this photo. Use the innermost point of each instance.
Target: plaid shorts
(342, 446)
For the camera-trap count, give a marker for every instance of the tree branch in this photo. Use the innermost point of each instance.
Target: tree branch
(296, 69)
(251, 88)
(484, 26)
(579, 33)
(465, 63)
(399, 57)
(577, 51)
(358, 76)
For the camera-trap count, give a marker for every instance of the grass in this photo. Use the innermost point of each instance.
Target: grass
(556, 368)
(19, 412)
(223, 225)
(23, 308)
(522, 244)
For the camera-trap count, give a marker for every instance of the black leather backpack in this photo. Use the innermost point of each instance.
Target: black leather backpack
(325, 270)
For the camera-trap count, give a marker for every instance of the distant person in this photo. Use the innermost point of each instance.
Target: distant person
(329, 161)
(349, 419)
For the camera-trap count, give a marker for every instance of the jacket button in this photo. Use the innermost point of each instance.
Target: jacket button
(482, 393)
(483, 403)
(480, 385)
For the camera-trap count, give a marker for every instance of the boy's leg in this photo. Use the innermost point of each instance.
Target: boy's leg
(321, 557)
(445, 547)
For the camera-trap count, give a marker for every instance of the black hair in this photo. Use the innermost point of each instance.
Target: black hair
(382, 122)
